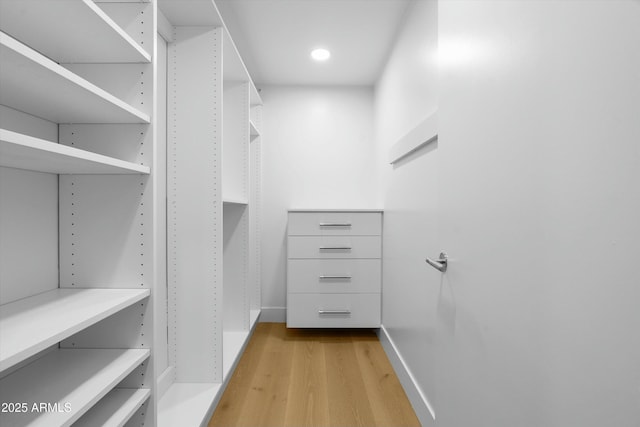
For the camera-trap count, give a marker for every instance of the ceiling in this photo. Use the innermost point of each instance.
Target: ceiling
(275, 38)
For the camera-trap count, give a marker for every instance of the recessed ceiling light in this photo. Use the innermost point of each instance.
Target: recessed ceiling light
(320, 54)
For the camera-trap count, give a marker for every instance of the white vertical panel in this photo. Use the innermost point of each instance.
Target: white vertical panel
(236, 267)
(194, 203)
(235, 172)
(255, 212)
(28, 233)
(159, 297)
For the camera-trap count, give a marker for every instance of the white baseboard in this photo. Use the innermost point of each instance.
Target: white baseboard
(423, 409)
(273, 314)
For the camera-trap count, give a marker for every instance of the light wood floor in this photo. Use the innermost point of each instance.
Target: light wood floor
(293, 377)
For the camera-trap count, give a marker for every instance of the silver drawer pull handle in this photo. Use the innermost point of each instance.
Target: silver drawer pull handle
(335, 224)
(335, 248)
(334, 312)
(334, 277)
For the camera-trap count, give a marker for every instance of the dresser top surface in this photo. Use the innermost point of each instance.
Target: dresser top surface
(336, 210)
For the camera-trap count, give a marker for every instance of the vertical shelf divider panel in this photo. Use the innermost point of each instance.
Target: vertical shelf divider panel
(194, 203)
(255, 212)
(235, 148)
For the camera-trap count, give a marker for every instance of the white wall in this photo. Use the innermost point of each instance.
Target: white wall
(406, 94)
(318, 152)
(539, 171)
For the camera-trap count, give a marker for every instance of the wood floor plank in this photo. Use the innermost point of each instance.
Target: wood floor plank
(309, 377)
(349, 405)
(309, 406)
(231, 405)
(382, 385)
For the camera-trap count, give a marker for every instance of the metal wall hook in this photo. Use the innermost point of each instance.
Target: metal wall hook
(440, 264)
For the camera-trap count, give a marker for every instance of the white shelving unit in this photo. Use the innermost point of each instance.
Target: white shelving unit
(80, 211)
(25, 152)
(32, 324)
(79, 378)
(210, 200)
(89, 176)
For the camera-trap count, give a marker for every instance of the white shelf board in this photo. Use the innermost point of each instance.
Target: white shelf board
(32, 324)
(187, 404)
(116, 408)
(232, 344)
(79, 377)
(421, 135)
(253, 318)
(36, 85)
(254, 132)
(354, 210)
(25, 152)
(234, 200)
(71, 31)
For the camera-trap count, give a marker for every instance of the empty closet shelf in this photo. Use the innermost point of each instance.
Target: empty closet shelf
(32, 324)
(70, 31)
(34, 83)
(71, 380)
(116, 408)
(25, 152)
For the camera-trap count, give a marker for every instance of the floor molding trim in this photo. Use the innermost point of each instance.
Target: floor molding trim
(273, 315)
(418, 400)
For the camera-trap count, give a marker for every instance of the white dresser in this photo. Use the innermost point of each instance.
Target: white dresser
(334, 268)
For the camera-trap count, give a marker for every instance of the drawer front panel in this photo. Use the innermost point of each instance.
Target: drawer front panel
(334, 247)
(334, 275)
(333, 310)
(335, 224)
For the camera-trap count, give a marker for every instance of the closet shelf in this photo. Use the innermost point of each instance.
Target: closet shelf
(79, 377)
(116, 408)
(186, 404)
(254, 132)
(234, 201)
(35, 84)
(32, 324)
(25, 152)
(72, 31)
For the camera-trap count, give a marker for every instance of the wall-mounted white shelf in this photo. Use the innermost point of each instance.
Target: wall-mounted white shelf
(25, 152)
(423, 134)
(74, 31)
(32, 324)
(115, 409)
(79, 377)
(34, 83)
(253, 130)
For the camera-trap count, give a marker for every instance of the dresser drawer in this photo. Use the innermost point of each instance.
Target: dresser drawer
(334, 247)
(333, 276)
(335, 224)
(333, 310)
